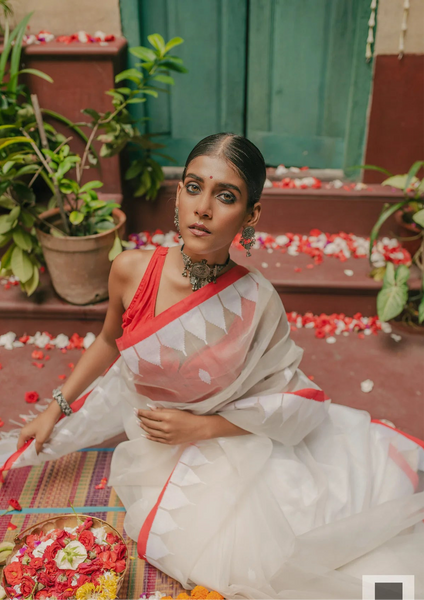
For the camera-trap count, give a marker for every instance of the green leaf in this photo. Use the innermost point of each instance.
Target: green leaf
(136, 100)
(157, 41)
(23, 191)
(135, 169)
(7, 257)
(150, 92)
(8, 222)
(176, 41)
(7, 166)
(37, 73)
(6, 202)
(165, 79)
(21, 265)
(410, 178)
(173, 65)
(91, 185)
(76, 217)
(421, 311)
(397, 181)
(91, 113)
(129, 73)
(390, 275)
(5, 238)
(22, 239)
(31, 285)
(418, 217)
(107, 209)
(27, 219)
(402, 275)
(144, 53)
(124, 90)
(116, 248)
(145, 184)
(69, 186)
(57, 233)
(370, 168)
(104, 226)
(384, 215)
(14, 140)
(390, 302)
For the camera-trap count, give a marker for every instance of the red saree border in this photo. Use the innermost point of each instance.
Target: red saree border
(311, 394)
(181, 307)
(407, 435)
(75, 407)
(143, 536)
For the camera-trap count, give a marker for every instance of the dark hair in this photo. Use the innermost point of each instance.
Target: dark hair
(240, 152)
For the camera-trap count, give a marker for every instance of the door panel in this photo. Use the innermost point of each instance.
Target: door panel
(210, 97)
(300, 69)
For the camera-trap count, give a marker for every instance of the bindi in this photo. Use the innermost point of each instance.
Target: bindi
(211, 177)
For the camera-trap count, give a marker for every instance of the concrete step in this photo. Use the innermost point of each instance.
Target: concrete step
(325, 288)
(293, 210)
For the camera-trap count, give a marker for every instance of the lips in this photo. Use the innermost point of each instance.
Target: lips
(199, 227)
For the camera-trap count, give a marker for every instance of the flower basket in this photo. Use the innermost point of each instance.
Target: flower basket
(71, 556)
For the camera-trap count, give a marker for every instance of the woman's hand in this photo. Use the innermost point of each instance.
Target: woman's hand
(41, 427)
(171, 426)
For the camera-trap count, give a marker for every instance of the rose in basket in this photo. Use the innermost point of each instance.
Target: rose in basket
(76, 557)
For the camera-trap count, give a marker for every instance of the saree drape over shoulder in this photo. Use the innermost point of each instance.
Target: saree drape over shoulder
(312, 498)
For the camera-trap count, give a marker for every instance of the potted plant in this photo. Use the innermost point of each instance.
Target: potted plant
(77, 224)
(394, 298)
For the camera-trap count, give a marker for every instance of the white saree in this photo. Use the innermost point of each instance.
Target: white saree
(315, 496)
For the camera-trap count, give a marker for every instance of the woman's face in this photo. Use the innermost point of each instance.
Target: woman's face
(214, 194)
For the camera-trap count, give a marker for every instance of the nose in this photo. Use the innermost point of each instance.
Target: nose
(203, 207)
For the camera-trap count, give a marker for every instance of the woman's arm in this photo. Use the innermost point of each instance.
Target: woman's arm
(173, 426)
(96, 359)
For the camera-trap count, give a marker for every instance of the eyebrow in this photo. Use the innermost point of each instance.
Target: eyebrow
(221, 185)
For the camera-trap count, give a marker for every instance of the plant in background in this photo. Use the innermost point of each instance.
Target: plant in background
(119, 130)
(31, 149)
(394, 297)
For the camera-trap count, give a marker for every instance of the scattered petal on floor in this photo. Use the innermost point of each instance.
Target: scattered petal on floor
(386, 327)
(396, 337)
(331, 340)
(367, 385)
(62, 376)
(264, 265)
(102, 484)
(348, 272)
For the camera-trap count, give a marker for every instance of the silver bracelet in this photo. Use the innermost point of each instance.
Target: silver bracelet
(60, 399)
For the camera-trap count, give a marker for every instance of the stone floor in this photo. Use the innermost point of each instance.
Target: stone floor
(396, 368)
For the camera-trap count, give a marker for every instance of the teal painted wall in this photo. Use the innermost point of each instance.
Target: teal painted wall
(289, 74)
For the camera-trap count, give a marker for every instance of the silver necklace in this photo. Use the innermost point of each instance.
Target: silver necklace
(200, 273)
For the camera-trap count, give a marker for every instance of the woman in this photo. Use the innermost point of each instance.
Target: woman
(238, 473)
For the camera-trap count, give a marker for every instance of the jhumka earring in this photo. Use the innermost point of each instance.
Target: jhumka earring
(248, 239)
(176, 221)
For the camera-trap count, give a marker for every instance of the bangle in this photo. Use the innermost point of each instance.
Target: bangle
(60, 399)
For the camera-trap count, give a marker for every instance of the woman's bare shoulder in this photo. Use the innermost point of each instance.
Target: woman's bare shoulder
(131, 264)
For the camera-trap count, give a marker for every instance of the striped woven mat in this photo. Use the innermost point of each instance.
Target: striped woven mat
(49, 489)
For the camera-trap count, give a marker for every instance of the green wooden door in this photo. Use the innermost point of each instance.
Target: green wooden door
(306, 59)
(289, 74)
(211, 96)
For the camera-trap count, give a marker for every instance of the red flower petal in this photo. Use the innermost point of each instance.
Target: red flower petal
(38, 365)
(1, 423)
(47, 357)
(37, 354)
(15, 504)
(31, 397)
(62, 376)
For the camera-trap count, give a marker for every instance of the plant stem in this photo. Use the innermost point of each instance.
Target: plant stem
(51, 173)
(41, 168)
(86, 151)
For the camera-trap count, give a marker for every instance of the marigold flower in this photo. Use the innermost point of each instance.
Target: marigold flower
(214, 596)
(199, 592)
(183, 596)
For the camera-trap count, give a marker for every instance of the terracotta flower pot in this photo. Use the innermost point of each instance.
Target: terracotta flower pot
(79, 266)
(408, 230)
